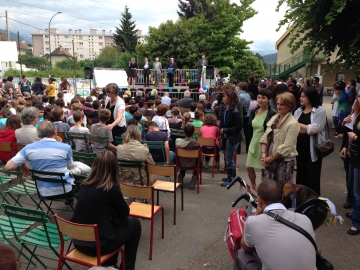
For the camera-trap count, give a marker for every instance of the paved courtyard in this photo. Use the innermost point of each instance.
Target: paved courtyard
(196, 241)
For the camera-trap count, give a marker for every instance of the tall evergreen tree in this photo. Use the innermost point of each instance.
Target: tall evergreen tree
(125, 34)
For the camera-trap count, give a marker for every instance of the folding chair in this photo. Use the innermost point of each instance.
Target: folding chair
(87, 158)
(124, 163)
(6, 233)
(118, 140)
(98, 139)
(166, 186)
(52, 177)
(210, 143)
(77, 136)
(142, 210)
(190, 154)
(45, 236)
(156, 145)
(83, 232)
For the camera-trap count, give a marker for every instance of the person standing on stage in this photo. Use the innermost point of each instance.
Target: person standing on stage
(133, 75)
(157, 71)
(146, 72)
(201, 63)
(171, 71)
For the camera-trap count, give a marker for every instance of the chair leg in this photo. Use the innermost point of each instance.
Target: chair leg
(157, 198)
(122, 259)
(175, 207)
(151, 236)
(213, 167)
(182, 197)
(59, 263)
(198, 182)
(162, 223)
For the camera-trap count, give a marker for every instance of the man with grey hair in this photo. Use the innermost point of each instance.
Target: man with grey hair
(165, 99)
(28, 133)
(49, 155)
(157, 71)
(186, 100)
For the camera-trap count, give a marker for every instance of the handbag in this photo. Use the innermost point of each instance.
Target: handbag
(321, 262)
(325, 148)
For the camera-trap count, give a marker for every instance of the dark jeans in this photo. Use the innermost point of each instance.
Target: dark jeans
(171, 79)
(247, 133)
(129, 236)
(52, 100)
(62, 196)
(349, 176)
(354, 176)
(308, 173)
(146, 79)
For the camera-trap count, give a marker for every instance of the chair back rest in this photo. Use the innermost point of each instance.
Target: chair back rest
(6, 147)
(23, 213)
(71, 124)
(161, 170)
(149, 118)
(88, 126)
(183, 109)
(140, 192)
(218, 122)
(28, 103)
(187, 153)
(206, 141)
(99, 139)
(129, 163)
(82, 232)
(45, 176)
(156, 145)
(118, 140)
(197, 130)
(81, 156)
(20, 146)
(61, 135)
(89, 120)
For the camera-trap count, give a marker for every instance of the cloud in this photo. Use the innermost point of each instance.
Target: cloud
(105, 14)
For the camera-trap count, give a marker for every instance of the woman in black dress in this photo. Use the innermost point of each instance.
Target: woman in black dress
(133, 75)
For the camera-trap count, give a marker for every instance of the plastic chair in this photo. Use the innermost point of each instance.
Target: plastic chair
(210, 143)
(143, 210)
(45, 236)
(71, 136)
(52, 177)
(83, 232)
(190, 154)
(166, 186)
(124, 163)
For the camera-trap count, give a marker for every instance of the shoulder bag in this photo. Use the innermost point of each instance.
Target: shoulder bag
(321, 262)
(325, 148)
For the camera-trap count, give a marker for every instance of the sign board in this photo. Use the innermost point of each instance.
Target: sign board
(105, 76)
(8, 51)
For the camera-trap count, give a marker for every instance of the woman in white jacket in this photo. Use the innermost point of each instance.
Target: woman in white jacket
(312, 119)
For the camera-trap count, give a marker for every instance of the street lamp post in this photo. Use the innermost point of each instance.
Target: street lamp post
(49, 35)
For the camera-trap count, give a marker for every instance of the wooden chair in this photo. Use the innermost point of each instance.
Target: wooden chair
(149, 118)
(61, 135)
(82, 232)
(19, 146)
(88, 126)
(143, 210)
(166, 186)
(190, 154)
(183, 109)
(210, 143)
(89, 120)
(71, 124)
(28, 103)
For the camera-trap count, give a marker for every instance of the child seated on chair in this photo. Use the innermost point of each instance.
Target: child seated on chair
(76, 107)
(150, 110)
(80, 145)
(94, 115)
(58, 119)
(99, 129)
(192, 107)
(188, 163)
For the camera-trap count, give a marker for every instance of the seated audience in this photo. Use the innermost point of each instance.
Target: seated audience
(100, 129)
(80, 145)
(160, 118)
(141, 107)
(101, 202)
(175, 122)
(193, 107)
(7, 134)
(94, 115)
(188, 143)
(185, 119)
(58, 117)
(5, 113)
(132, 149)
(45, 100)
(199, 117)
(28, 133)
(140, 119)
(88, 102)
(138, 96)
(166, 99)
(56, 153)
(150, 110)
(186, 100)
(155, 135)
(210, 130)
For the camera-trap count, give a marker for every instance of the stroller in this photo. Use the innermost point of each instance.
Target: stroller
(298, 198)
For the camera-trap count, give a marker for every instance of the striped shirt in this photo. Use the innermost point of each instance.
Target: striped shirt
(48, 155)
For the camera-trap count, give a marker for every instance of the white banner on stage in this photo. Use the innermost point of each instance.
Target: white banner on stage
(8, 51)
(105, 76)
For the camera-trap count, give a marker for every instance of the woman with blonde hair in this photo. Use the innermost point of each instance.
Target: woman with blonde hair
(132, 149)
(133, 73)
(278, 144)
(101, 202)
(185, 119)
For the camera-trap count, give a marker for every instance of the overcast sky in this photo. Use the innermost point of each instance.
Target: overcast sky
(105, 14)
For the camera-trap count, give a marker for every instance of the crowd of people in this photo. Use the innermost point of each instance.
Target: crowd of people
(282, 122)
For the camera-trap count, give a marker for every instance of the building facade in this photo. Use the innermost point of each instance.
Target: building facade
(86, 46)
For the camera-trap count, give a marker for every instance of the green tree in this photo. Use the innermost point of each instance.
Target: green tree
(125, 35)
(247, 66)
(327, 26)
(187, 39)
(191, 8)
(113, 57)
(31, 61)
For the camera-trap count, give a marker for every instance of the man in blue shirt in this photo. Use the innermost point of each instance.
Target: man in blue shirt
(49, 154)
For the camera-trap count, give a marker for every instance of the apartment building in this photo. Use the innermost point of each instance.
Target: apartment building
(86, 46)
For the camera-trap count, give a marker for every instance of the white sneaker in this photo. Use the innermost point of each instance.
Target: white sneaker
(206, 165)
